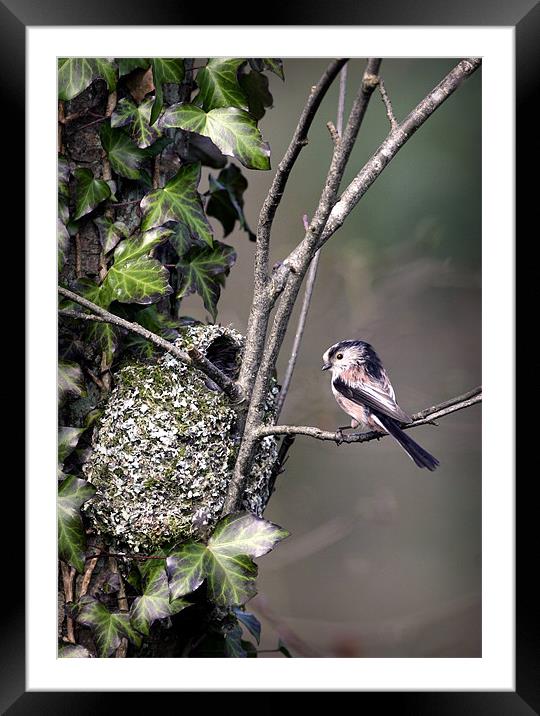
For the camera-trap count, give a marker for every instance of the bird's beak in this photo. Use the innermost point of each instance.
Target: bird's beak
(325, 366)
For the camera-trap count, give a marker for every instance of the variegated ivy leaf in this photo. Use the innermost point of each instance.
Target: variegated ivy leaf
(231, 129)
(110, 232)
(164, 70)
(62, 236)
(153, 320)
(108, 627)
(142, 280)
(90, 192)
(219, 86)
(73, 651)
(255, 86)
(128, 64)
(185, 568)
(250, 621)
(202, 270)
(75, 74)
(72, 493)
(245, 533)
(230, 579)
(155, 601)
(70, 380)
(125, 157)
(178, 200)
(226, 200)
(67, 441)
(127, 113)
(102, 334)
(141, 244)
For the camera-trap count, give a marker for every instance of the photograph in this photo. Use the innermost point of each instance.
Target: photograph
(269, 356)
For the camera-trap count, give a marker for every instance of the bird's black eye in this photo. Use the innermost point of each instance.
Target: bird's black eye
(339, 356)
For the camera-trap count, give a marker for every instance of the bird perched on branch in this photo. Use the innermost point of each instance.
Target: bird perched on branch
(363, 390)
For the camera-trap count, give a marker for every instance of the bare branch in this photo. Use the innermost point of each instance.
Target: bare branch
(388, 105)
(424, 417)
(192, 357)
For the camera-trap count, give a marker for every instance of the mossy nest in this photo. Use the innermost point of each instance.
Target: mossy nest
(165, 447)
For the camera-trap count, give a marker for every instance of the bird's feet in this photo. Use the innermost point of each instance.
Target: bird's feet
(339, 434)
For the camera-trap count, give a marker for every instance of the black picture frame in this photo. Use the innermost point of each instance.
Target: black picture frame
(524, 16)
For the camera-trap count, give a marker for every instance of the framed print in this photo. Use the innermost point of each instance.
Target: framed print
(179, 329)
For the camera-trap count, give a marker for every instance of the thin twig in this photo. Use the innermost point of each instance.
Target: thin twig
(424, 417)
(68, 577)
(193, 357)
(388, 105)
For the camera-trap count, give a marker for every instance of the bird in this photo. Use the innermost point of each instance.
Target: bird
(363, 390)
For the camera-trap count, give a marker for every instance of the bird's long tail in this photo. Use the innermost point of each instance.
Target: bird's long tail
(417, 453)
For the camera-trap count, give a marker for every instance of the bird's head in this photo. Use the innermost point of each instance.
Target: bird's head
(344, 355)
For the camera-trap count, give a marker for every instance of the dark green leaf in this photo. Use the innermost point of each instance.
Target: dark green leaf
(137, 117)
(128, 64)
(90, 192)
(154, 602)
(75, 74)
(143, 280)
(73, 651)
(107, 70)
(233, 643)
(219, 86)
(198, 148)
(125, 157)
(202, 270)
(185, 568)
(110, 232)
(108, 627)
(226, 201)
(178, 200)
(182, 240)
(72, 493)
(250, 621)
(244, 533)
(255, 87)
(67, 441)
(153, 320)
(275, 65)
(283, 649)
(232, 130)
(164, 70)
(62, 236)
(70, 380)
(231, 579)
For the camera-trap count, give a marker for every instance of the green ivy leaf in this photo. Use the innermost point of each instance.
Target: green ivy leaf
(102, 334)
(232, 130)
(178, 200)
(250, 621)
(255, 86)
(185, 568)
(127, 113)
(140, 245)
(143, 280)
(275, 65)
(152, 319)
(154, 602)
(73, 651)
(128, 64)
(62, 236)
(164, 70)
(125, 157)
(110, 232)
(231, 579)
(72, 493)
(197, 148)
(108, 627)
(67, 441)
(90, 192)
(70, 380)
(218, 84)
(245, 533)
(226, 201)
(202, 270)
(234, 647)
(75, 74)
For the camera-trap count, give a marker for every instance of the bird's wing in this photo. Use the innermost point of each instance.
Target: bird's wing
(367, 394)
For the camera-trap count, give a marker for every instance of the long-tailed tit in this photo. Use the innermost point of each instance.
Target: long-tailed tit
(362, 389)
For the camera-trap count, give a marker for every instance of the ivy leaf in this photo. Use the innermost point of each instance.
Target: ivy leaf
(226, 201)
(137, 246)
(231, 129)
(155, 321)
(231, 579)
(138, 118)
(67, 441)
(75, 74)
(143, 280)
(102, 334)
(182, 240)
(70, 380)
(108, 627)
(218, 84)
(185, 568)
(255, 86)
(90, 192)
(107, 70)
(250, 621)
(73, 651)
(72, 493)
(164, 70)
(125, 157)
(63, 239)
(110, 232)
(233, 643)
(275, 65)
(178, 200)
(202, 270)
(154, 602)
(197, 148)
(128, 64)
(244, 533)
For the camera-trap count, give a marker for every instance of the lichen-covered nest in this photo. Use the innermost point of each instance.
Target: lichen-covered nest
(165, 446)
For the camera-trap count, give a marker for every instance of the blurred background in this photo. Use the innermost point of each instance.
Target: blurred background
(384, 558)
